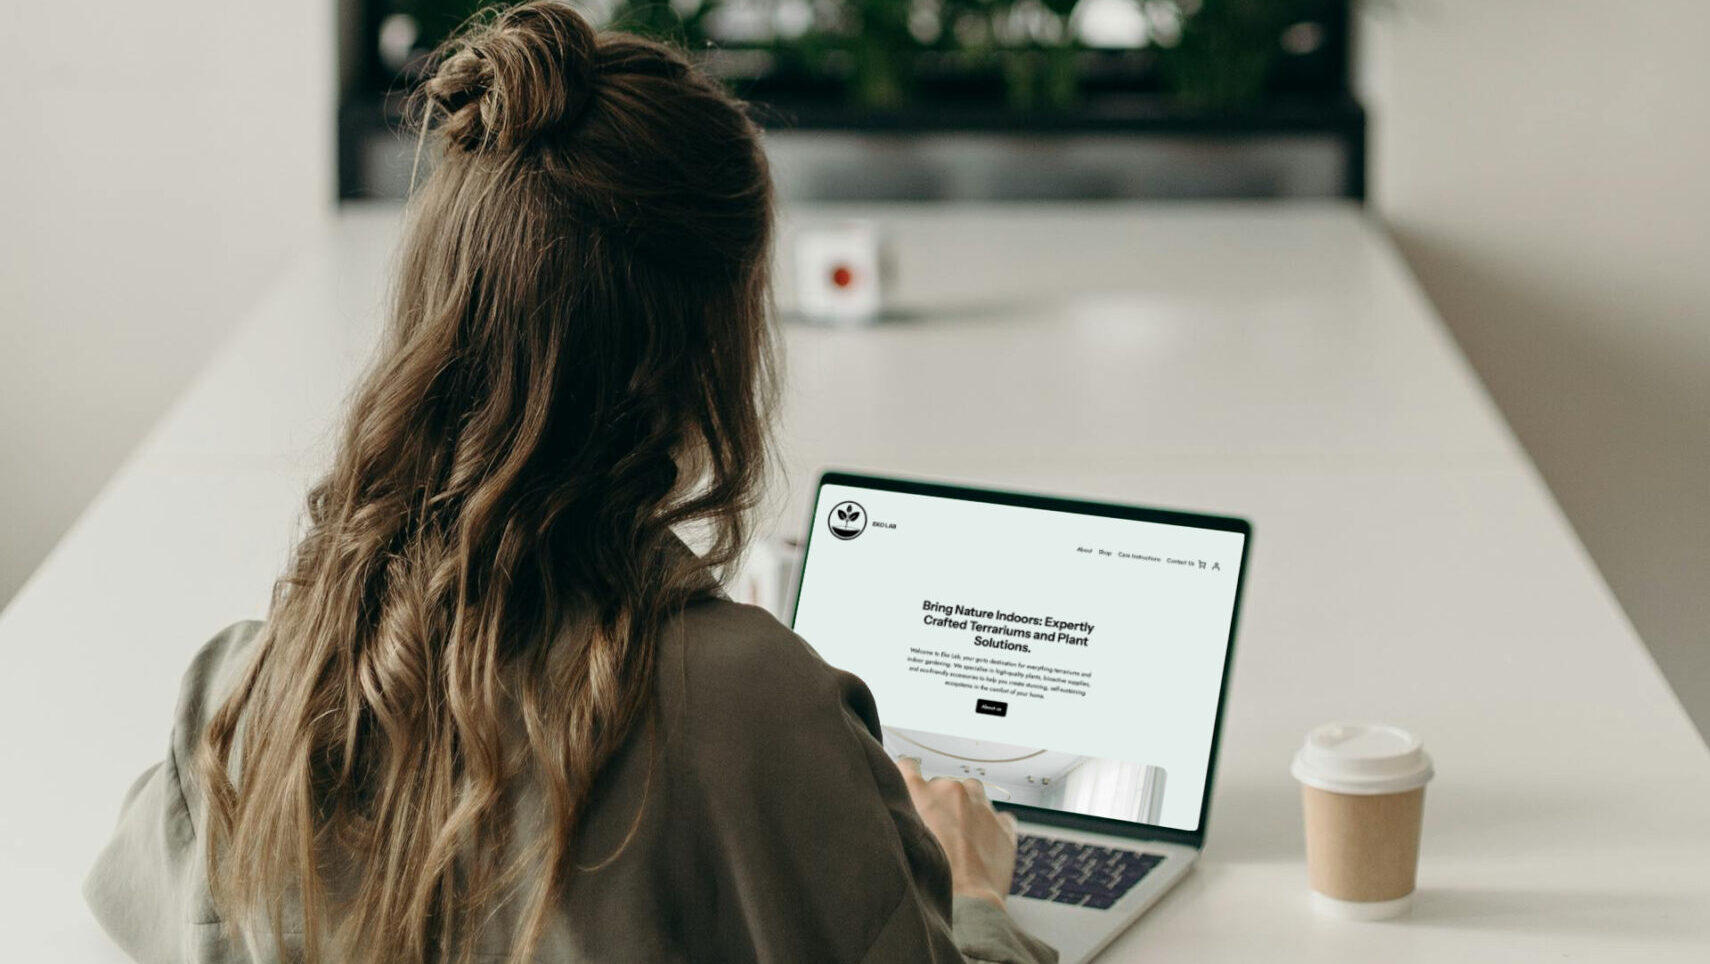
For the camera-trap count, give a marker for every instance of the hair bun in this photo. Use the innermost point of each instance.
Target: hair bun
(501, 83)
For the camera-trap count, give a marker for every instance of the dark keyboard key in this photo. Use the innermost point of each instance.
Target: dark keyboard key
(1066, 872)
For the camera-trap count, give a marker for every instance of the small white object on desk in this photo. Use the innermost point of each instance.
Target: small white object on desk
(840, 272)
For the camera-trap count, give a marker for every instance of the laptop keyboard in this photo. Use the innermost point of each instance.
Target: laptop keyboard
(1067, 872)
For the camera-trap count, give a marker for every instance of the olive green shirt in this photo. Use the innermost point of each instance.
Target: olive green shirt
(775, 827)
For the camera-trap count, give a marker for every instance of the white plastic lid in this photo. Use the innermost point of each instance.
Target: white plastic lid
(1362, 758)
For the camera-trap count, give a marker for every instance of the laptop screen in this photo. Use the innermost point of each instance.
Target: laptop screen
(1071, 655)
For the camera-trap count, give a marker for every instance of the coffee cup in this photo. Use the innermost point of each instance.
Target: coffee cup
(1363, 794)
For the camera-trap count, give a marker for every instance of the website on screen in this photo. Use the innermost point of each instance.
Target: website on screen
(1069, 661)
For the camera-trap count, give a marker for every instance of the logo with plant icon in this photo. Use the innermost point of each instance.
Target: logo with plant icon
(847, 520)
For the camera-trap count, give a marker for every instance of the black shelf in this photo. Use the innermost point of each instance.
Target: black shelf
(1340, 118)
(1108, 113)
(813, 85)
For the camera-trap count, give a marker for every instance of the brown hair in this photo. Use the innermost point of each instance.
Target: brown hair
(578, 367)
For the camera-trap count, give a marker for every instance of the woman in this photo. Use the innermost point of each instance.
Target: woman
(498, 710)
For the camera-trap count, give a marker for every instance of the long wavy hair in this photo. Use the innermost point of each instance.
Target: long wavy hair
(576, 371)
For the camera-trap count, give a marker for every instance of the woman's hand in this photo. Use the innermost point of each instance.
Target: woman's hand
(979, 841)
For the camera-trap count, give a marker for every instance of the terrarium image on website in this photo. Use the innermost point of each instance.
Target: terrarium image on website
(1038, 777)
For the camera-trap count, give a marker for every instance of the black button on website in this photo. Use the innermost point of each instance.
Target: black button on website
(991, 707)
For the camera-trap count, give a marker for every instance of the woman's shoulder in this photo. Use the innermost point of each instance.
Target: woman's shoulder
(739, 650)
(207, 681)
(742, 643)
(735, 670)
(212, 673)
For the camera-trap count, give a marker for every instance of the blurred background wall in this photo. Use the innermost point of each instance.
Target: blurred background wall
(160, 162)
(1545, 166)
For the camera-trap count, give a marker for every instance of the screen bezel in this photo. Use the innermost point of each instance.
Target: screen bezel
(1109, 510)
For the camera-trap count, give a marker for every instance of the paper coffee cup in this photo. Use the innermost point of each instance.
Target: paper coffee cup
(1363, 793)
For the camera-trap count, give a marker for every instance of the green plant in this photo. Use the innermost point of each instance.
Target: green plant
(1028, 42)
(436, 19)
(1213, 55)
(1226, 49)
(883, 49)
(663, 21)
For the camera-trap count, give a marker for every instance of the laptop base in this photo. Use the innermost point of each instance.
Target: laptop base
(1080, 933)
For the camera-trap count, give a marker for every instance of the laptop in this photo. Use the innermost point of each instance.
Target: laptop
(1072, 655)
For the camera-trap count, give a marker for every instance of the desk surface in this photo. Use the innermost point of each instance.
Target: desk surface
(1273, 361)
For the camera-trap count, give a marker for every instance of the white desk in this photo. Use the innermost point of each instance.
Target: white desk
(1275, 362)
